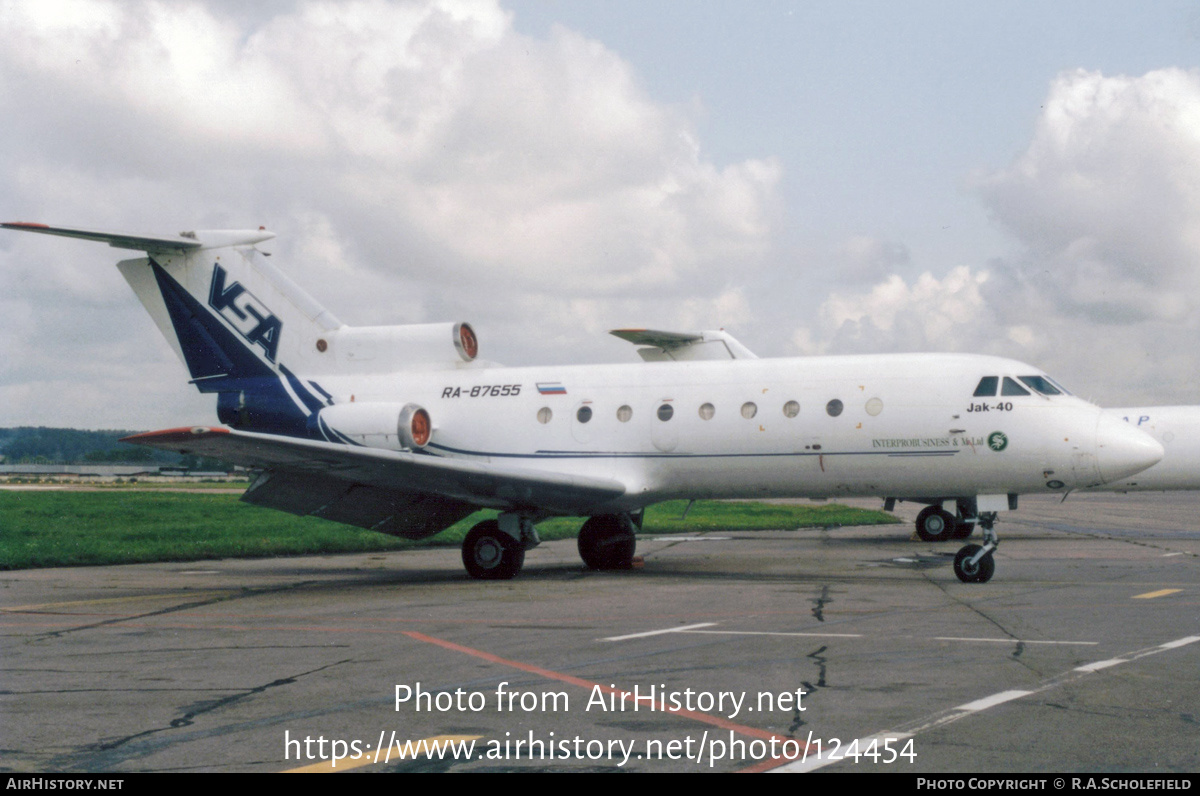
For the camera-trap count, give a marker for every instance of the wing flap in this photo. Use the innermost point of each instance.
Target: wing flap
(411, 515)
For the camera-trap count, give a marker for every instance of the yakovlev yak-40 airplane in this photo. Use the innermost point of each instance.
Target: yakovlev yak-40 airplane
(402, 429)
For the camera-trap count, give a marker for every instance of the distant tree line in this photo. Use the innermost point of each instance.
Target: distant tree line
(41, 445)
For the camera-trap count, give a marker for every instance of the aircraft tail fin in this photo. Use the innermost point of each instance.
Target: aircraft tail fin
(231, 317)
(244, 330)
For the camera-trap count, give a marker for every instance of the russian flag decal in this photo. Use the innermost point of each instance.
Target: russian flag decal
(551, 388)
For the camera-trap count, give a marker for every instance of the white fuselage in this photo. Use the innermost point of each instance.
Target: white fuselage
(909, 426)
(1178, 429)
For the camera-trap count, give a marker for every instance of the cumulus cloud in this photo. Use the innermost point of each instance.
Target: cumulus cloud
(863, 257)
(1104, 208)
(421, 161)
(1107, 196)
(896, 316)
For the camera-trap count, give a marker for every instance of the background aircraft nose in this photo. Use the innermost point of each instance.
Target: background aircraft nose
(1122, 450)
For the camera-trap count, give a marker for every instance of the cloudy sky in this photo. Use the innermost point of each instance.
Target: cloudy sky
(1018, 178)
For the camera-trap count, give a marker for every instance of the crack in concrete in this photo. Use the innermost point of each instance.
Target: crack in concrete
(99, 756)
(820, 602)
(1018, 645)
(56, 634)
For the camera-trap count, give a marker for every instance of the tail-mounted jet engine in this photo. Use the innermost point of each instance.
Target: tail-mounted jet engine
(420, 346)
(379, 425)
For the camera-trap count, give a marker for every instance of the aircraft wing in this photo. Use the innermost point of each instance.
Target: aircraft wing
(397, 492)
(684, 346)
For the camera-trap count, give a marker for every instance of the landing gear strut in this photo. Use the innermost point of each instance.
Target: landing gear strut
(974, 563)
(607, 541)
(964, 523)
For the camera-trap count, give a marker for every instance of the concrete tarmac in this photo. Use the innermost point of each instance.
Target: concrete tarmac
(836, 650)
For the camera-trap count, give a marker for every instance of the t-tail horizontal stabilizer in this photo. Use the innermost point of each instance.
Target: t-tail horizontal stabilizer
(684, 346)
(184, 241)
(241, 327)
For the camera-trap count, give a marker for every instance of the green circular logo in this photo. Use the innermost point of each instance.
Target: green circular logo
(997, 440)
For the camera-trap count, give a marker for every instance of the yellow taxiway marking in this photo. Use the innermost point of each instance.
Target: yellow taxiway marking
(1150, 595)
(111, 600)
(382, 756)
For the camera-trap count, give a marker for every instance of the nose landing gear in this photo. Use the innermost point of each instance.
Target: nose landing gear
(974, 563)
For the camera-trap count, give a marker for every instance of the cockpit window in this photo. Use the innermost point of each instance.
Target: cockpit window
(987, 387)
(1040, 384)
(1061, 388)
(1012, 388)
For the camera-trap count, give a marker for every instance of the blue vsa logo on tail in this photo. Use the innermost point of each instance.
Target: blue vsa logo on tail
(245, 313)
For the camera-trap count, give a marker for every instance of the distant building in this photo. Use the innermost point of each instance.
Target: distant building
(112, 472)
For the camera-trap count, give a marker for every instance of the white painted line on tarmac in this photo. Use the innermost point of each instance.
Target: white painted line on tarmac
(945, 717)
(690, 539)
(648, 633)
(1179, 642)
(1098, 665)
(992, 701)
(1013, 641)
(699, 629)
(774, 633)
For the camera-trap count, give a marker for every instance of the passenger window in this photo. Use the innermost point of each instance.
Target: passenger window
(584, 414)
(791, 409)
(707, 411)
(1039, 384)
(544, 415)
(1012, 388)
(749, 410)
(987, 387)
(834, 408)
(665, 412)
(624, 413)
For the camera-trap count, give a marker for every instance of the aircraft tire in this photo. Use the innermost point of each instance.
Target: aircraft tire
(605, 542)
(980, 572)
(489, 553)
(935, 524)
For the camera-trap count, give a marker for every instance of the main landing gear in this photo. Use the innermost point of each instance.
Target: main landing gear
(607, 541)
(935, 524)
(495, 549)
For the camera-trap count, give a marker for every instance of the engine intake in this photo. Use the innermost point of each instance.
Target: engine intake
(382, 425)
(419, 346)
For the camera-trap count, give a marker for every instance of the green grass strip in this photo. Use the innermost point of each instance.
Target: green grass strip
(78, 528)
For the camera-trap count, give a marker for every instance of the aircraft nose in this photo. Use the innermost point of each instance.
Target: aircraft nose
(1122, 450)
